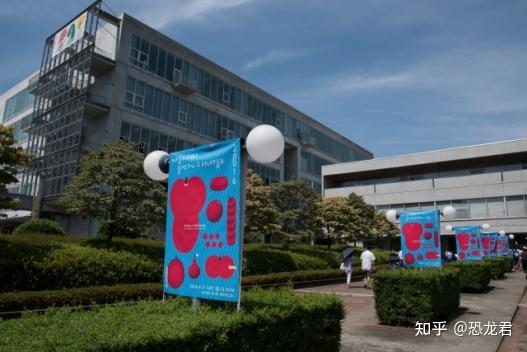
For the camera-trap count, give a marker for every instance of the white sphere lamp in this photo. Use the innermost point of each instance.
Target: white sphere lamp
(502, 232)
(485, 226)
(155, 165)
(265, 144)
(391, 215)
(449, 228)
(449, 212)
(511, 236)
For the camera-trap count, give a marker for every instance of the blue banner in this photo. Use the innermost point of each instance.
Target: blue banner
(468, 241)
(488, 239)
(203, 236)
(502, 246)
(420, 238)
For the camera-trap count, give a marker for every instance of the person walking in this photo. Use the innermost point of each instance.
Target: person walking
(393, 259)
(367, 260)
(348, 269)
(523, 257)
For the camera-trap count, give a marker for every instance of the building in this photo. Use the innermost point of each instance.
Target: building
(105, 77)
(486, 183)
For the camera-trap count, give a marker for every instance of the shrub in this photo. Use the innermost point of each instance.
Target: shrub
(40, 226)
(403, 297)
(509, 264)
(498, 267)
(474, 276)
(174, 325)
(266, 261)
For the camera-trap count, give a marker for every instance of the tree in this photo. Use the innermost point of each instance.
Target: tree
(297, 205)
(112, 187)
(366, 215)
(10, 159)
(339, 218)
(381, 226)
(260, 216)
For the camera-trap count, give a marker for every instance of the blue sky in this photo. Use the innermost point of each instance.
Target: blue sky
(396, 77)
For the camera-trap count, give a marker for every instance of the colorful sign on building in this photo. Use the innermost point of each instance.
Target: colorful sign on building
(468, 242)
(502, 246)
(420, 238)
(69, 34)
(488, 239)
(203, 236)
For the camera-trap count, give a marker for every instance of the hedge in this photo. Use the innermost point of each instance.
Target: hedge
(34, 300)
(474, 276)
(498, 267)
(39, 226)
(174, 325)
(403, 297)
(509, 264)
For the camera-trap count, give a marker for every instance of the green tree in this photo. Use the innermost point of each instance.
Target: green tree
(11, 158)
(112, 187)
(260, 215)
(297, 206)
(382, 227)
(339, 219)
(366, 215)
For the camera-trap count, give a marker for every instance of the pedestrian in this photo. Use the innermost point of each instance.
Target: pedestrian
(393, 259)
(449, 256)
(367, 260)
(348, 269)
(524, 260)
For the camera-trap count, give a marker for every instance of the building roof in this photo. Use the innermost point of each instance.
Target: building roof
(430, 157)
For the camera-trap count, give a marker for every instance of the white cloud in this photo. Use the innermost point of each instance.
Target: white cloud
(368, 82)
(162, 13)
(276, 55)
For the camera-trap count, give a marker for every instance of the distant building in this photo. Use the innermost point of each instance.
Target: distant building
(486, 183)
(105, 77)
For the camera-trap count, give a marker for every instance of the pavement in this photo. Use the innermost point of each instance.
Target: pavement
(504, 300)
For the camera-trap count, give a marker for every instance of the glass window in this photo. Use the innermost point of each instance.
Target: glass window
(179, 63)
(145, 136)
(427, 206)
(136, 133)
(140, 88)
(478, 208)
(154, 140)
(174, 110)
(171, 144)
(152, 62)
(161, 63)
(170, 68)
(130, 84)
(158, 99)
(166, 107)
(496, 207)
(149, 100)
(516, 206)
(163, 141)
(206, 84)
(125, 131)
(412, 207)
(135, 42)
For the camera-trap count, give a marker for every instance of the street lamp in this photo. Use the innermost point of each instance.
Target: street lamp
(449, 212)
(449, 228)
(391, 215)
(511, 236)
(485, 226)
(155, 165)
(502, 233)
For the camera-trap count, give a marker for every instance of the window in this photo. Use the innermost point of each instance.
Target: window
(462, 209)
(478, 208)
(516, 206)
(161, 65)
(152, 62)
(170, 68)
(496, 207)
(182, 119)
(158, 99)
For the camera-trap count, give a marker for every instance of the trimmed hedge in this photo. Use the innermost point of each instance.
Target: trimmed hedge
(30, 300)
(39, 226)
(174, 325)
(498, 267)
(474, 276)
(403, 297)
(509, 264)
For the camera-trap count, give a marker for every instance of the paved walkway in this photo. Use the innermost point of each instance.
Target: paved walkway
(517, 342)
(362, 332)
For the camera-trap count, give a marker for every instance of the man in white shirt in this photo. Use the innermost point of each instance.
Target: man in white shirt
(367, 258)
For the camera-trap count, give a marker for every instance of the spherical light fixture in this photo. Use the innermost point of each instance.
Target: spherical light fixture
(265, 144)
(155, 165)
(502, 233)
(391, 215)
(449, 212)
(511, 236)
(449, 228)
(485, 226)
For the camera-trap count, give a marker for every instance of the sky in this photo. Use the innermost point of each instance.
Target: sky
(396, 77)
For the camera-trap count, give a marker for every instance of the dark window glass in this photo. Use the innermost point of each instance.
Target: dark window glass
(166, 107)
(172, 141)
(206, 84)
(161, 63)
(125, 130)
(136, 133)
(152, 61)
(130, 84)
(163, 140)
(214, 88)
(135, 42)
(145, 136)
(158, 99)
(174, 110)
(170, 68)
(140, 88)
(154, 140)
(149, 100)
(179, 63)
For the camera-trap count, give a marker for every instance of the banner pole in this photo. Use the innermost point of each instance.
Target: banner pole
(243, 196)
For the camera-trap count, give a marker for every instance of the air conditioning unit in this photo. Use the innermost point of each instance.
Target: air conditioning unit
(184, 84)
(226, 98)
(306, 139)
(182, 118)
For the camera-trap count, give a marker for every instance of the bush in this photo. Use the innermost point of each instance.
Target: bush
(474, 276)
(403, 297)
(498, 267)
(266, 261)
(509, 264)
(40, 226)
(174, 325)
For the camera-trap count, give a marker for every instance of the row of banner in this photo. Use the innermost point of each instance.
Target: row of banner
(421, 241)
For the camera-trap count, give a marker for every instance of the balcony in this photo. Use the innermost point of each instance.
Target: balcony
(96, 106)
(183, 84)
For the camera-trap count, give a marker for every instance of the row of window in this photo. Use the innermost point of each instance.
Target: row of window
(268, 174)
(162, 105)
(440, 174)
(478, 208)
(311, 163)
(17, 103)
(160, 62)
(21, 137)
